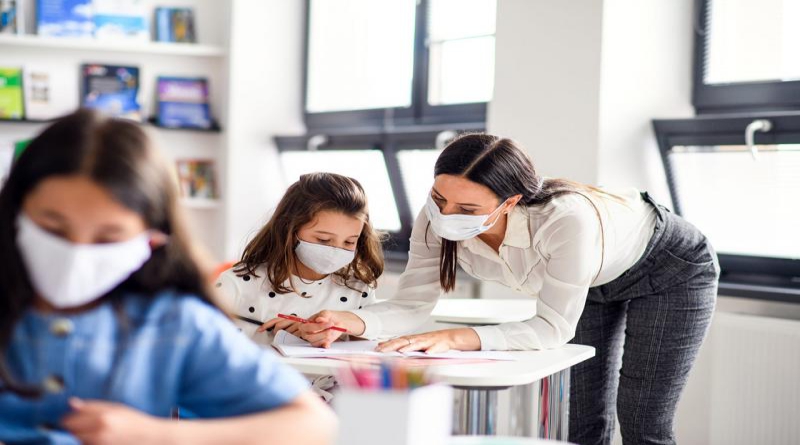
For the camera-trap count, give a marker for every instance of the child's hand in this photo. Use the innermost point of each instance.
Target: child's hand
(319, 332)
(278, 324)
(100, 422)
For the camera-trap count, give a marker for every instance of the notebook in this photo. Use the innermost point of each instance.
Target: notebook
(292, 346)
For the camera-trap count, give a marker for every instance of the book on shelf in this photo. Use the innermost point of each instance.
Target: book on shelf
(197, 178)
(48, 94)
(175, 25)
(11, 18)
(65, 18)
(112, 89)
(11, 100)
(182, 102)
(121, 20)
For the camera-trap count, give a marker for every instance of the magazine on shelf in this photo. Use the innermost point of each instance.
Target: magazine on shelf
(11, 101)
(111, 89)
(183, 103)
(121, 20)
(48, 94)
(175, 25)
(65, 18)
(197, 178)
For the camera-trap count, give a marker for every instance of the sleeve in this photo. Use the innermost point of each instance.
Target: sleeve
(224, 376)
(572, 251)
(418, 289)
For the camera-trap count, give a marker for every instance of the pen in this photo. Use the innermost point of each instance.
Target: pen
(303, 320)
(249, 320)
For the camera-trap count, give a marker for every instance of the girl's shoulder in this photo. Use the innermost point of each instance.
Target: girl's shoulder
(231, 281)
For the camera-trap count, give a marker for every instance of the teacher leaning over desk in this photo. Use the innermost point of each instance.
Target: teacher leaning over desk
(610, 269)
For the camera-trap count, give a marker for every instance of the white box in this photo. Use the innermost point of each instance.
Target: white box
(412, 417)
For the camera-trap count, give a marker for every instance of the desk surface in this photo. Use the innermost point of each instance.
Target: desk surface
(479, 311)
(530, 367)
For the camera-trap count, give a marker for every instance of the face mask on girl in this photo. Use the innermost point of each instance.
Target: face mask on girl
(457, 227)
(69, 275)
(321, 258)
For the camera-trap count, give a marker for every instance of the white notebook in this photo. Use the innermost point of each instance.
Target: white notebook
(291, 346)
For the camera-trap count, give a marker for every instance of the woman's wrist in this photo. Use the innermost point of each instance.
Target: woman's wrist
(465, 339)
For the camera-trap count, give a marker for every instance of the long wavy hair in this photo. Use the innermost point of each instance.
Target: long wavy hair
(273, 246)
(504, 168)
(119, 157)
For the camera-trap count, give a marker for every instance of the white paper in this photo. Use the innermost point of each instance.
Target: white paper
(292, 346)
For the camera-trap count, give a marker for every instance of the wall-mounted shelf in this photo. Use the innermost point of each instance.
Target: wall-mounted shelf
(150, 122)
(200, 203)
(88, 44)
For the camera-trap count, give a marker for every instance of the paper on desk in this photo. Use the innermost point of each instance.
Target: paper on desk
(291, 346)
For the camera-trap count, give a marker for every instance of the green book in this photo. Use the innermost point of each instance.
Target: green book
(11, 93)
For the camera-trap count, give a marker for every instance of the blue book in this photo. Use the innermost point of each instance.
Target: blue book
(183, 103)
(111, 89)
(65, 18)
(121, 20)
(175, 25)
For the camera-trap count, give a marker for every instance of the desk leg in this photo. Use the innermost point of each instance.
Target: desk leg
(475, 411)
(553, 421)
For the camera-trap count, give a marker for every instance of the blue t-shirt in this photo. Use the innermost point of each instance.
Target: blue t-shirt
(154, 355)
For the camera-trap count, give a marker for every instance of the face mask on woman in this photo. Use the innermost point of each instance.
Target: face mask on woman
(321, 258)
(457, 227)
(70, 275)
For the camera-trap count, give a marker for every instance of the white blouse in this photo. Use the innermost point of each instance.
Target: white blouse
(552, 253)
(253, 297)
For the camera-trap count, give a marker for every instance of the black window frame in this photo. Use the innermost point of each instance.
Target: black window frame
(419, 113)
(390, 143)
(735, 97)
(745, 276)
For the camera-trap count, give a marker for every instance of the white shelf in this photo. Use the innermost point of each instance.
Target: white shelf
(200, 203)
(88, 44)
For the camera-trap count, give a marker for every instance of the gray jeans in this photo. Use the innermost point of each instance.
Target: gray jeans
(647, 326)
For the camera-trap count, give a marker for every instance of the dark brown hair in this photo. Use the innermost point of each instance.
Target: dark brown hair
(500, 165)
(118, 156)
(273, 246)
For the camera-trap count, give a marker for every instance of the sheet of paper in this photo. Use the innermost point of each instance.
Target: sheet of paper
(292, 346)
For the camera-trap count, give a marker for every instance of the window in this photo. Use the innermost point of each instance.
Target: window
(366, 166)
(744, 198)
(416, 169)
(398, 62)
(747, 55)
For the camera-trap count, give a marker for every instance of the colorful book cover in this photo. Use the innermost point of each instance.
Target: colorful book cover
(112, 89)
(65, 18)
(20, 146)
(183, 103)
(121, 20)
(175, 25)
(11, 103)
(49, 92)
(197, 178)
(9, 17)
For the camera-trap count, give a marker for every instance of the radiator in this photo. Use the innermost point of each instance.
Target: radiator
(755, 380)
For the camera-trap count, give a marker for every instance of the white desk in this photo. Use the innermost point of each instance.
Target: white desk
(481, 311)
(542, 373)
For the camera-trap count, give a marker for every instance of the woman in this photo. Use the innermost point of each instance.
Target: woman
(607, 268)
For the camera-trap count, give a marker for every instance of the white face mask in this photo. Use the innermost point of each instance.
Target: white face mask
(323, 259)
(457, 227)
(70, 275)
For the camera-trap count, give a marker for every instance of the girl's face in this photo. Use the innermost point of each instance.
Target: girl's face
(332, 229)
(80, 211)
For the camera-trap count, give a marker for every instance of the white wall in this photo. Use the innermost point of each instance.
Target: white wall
(265, 79)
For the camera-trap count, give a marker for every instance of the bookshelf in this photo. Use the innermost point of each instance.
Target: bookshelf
(34, 42)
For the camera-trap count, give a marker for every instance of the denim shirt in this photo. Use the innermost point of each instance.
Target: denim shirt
(154, 355)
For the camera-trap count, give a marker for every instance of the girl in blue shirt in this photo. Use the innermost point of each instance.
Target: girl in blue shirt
(106, 323)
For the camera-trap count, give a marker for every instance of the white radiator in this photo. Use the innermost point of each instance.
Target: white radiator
(755, 380)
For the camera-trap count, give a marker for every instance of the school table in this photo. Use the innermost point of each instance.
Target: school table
(534, 390)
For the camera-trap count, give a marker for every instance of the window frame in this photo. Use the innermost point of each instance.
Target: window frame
(390, 143)
(419, 113)
(735, 97)
(748, 276)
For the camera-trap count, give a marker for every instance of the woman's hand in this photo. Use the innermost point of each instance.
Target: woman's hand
(278, 324)
(100, 422)
(319, 333)
(462, 339)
